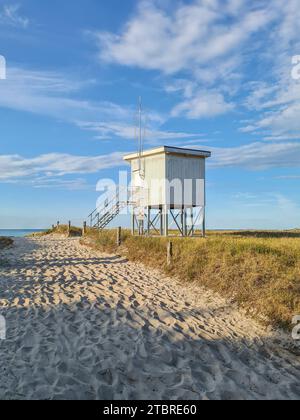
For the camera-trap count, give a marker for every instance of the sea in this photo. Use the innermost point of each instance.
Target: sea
(19, 232)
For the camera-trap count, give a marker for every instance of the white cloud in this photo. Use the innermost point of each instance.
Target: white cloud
(264, 201)
(59, 96)
(184, 36)
(288, 31)
(54, 170)
(281, 118)
(202, 39)
(204, 104)
(50, 167)
(54, 165)
(277, 95)
(288, 177)
(44, 182)
(258, 156)
(282, 137)
(106, 130)
(212, 42)
(49, 93)
(9, 15)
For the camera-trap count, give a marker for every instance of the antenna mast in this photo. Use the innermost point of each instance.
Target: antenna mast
(140, 136)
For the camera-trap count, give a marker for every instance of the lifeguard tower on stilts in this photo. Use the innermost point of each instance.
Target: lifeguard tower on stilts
(167, 194)
(169, 190)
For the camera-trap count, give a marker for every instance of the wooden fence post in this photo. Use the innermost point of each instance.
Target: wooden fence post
(119, 236)
(169, 253)
(84, 229)
(69, 229)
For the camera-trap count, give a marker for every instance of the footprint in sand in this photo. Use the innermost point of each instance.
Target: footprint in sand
(84, 325)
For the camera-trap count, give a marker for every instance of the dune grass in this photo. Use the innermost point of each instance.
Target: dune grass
(260, 271)
(60, 230)
(5, 242)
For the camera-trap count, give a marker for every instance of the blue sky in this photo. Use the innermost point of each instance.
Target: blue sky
(215, 74)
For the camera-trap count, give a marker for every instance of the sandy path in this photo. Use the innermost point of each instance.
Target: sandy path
(82, 325)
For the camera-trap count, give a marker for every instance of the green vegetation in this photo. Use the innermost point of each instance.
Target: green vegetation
(59, 230)
(258, 270)
(5, 242)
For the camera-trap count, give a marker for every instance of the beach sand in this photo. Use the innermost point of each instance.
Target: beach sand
(83, 325)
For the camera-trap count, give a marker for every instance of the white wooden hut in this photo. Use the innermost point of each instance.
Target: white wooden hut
(168, 190)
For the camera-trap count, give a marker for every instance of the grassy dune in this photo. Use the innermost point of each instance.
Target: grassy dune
(60, 230)
(5, 242)
(258, 270)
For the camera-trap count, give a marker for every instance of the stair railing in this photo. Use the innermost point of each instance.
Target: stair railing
(123, 197)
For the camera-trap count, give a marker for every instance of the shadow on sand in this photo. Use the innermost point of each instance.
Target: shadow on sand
(112, 343)
(109, 350)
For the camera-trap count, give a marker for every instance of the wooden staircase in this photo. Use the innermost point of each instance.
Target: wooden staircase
(111, 208)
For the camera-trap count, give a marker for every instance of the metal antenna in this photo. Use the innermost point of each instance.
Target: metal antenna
(145, 130)
(140, 134)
